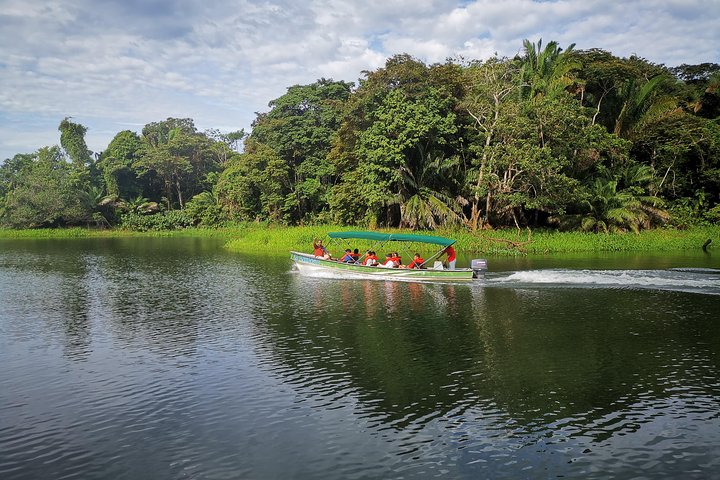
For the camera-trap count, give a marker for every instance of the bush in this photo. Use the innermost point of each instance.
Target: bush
(713, 215)
(205, 211)
(682, 216)
(169, 220)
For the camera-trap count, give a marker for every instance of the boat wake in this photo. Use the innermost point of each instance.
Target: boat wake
(705, 281)
(694, 280)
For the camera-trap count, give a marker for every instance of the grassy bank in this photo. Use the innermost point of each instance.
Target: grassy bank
(262, 238)
(498, 242)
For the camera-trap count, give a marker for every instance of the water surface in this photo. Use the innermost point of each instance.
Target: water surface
(173, 358)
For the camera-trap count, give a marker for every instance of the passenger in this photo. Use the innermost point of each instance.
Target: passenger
(356, 255)
(371, 260)
(389, 262)
(417, 261)
(450, 257)
(319, 250)
(347, 258)
(398, 261)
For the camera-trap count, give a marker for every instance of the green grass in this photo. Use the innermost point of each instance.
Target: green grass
(259, 238)
(496, 242)
(544, 242)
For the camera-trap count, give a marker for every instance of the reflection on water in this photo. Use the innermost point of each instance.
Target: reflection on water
(167, 358)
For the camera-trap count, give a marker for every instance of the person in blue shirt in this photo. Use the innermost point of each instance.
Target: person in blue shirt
(348, 257)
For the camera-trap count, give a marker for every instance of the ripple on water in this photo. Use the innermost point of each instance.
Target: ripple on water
(172, 365)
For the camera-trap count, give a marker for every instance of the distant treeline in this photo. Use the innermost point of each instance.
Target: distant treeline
(554, 137)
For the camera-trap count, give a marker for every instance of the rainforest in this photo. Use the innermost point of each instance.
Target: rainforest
(553, 138)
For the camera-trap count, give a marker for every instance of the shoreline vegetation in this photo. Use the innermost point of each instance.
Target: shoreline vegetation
(253, 237)
(552, 139)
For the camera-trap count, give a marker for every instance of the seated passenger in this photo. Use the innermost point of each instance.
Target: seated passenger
(347, 258)
(356, 255)
(371, 260)
(417, 261)
(396, 258)
(389, 262)
(319, 250)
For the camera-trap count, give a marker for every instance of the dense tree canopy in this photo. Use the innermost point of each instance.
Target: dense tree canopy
(554, 137)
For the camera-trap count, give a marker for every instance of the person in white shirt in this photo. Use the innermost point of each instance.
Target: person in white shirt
(389, 263)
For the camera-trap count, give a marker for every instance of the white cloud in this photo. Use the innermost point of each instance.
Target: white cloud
(114, 63)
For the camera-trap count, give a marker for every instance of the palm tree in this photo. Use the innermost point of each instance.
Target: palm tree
(641, 105)
(545, 71)
(423, 201)
(135, 204)
(610, 209)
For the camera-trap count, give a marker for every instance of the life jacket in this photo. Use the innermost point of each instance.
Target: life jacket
(319, 252)
(371, 260)
(389, 261)
(355, 256)
(396, 260)
(416, 263)
(450, 254)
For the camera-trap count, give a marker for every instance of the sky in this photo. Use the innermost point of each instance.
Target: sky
(114, 65)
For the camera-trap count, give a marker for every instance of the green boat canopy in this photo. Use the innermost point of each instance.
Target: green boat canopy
(392, 237)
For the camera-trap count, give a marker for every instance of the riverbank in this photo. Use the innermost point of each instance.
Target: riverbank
(263, 238)
(82, 232)
(501, 242)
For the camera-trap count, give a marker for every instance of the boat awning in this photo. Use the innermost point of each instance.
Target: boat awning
(392, 237)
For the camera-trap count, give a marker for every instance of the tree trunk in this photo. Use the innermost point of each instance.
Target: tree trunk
(179, 193)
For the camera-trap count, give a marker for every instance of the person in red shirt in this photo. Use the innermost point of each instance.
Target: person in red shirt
(450, 251)
(319, 250)
(416, 262)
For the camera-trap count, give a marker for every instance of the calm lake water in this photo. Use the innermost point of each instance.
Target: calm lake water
(173, 358)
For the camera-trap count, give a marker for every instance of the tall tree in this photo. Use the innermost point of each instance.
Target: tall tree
(178, 158)
(47, 193)
(255, 185)
(116, 165)
(300, 127)
(490, 104)
(546, 71)
(72, 139)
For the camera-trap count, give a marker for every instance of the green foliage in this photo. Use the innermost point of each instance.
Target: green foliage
(169, 220)
(713, 215)
(46, 191)
(205, 210)
(116, 165)
(255, 186)
(177, 159)
(299, 129)
(72, 139)
(269, 239)
(615, 210)
(546, 71)
(551, 137)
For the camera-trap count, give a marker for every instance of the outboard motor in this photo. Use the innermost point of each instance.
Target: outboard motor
(479, 267)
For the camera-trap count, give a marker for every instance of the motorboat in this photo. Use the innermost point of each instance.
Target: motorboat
(431, 270)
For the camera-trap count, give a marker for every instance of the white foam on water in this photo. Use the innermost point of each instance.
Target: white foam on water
(680, 280)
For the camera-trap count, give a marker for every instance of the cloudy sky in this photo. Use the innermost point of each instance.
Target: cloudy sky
(114, 65)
